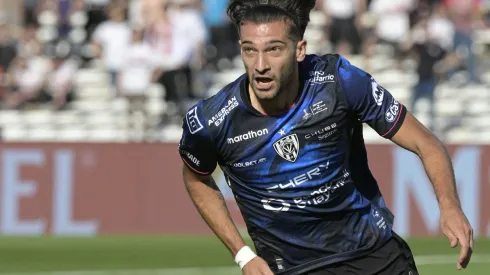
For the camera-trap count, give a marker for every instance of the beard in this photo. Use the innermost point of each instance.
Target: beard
(279, 84)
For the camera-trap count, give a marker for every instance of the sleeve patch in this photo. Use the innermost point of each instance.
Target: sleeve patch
(193, 121)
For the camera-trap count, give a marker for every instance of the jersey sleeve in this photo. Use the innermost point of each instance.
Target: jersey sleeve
(196, 147)
(373, 104)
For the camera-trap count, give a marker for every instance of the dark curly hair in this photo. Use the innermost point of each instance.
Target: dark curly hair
(295, 12)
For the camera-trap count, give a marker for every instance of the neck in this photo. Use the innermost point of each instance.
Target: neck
(282, 103)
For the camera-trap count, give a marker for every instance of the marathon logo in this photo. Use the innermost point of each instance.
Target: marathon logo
(247, 136)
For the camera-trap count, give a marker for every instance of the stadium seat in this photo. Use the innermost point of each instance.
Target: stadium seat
(477, 107)
(156, 107)
(371, 136)
(474, 92)
(91, 105)
(120, 105)
(38, 117)
(449, 107)
(401, 93)
(477, 122)
(94, 93)
(107, 134)
(172, 133)
(10, 117)
(156, 91)
(69, 117)
(41, 133)
(72, 133)
(459, 135)
(317, 18)
(100, 119)
(91, 77)
(14, 133)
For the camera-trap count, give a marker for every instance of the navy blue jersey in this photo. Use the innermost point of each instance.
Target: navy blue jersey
(301, 179)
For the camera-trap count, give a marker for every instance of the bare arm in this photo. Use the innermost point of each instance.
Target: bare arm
(211, 204)
(414, 137)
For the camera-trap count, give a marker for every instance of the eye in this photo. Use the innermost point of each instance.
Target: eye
(248, 50)
(275, 49)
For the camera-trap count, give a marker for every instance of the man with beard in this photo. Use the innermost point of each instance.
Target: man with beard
(288, 136)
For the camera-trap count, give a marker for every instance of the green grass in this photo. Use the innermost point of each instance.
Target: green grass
(33, 255)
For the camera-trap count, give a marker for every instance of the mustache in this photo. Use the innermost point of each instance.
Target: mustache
(263, 76)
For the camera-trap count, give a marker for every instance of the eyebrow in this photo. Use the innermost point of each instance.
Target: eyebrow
(268, 42)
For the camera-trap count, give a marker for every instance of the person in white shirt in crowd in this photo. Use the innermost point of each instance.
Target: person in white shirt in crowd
(24, 79)
(344, 24)
(25, 83)
(112, 38)
(190, 17)
(173, 48)
(393, 23)
(136, 76)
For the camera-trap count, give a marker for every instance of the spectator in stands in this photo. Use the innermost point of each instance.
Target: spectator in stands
(173, 50)
(186, 14)
(486, 12)
(149, 11)
(96, 15)
(59, 85)
(8, 51)
(344, 24)
(29, 45)
(64, 12)
(47, 12)
(393, 23)
(29, 7)
(136, 76)
(434, 58)
(222, 34)
(112, 39)
(467, 16)
(25, 83)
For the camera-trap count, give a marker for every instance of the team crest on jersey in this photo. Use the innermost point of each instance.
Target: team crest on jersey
(288, 147)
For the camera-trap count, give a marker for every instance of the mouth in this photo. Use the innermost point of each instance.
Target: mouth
(263, 83)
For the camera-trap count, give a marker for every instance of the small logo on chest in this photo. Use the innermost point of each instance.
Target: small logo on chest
(320, 77)
(287, 147)
(314, 109)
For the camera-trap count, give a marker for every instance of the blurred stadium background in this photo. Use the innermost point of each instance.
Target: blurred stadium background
(92, 94)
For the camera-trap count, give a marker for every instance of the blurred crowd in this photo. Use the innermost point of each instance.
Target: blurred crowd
(178, 44)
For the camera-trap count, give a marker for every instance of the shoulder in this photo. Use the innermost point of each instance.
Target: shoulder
(347, 70)
(351, 77)
(333, 63)
(318, 62)
(213, 109)
(102, 27)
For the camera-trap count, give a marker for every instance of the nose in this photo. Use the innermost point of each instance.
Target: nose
(262, 64)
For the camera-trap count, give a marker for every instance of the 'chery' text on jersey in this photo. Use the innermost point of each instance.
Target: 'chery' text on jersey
(300, 179)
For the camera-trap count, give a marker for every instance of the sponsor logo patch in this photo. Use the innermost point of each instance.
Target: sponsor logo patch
(193, 121)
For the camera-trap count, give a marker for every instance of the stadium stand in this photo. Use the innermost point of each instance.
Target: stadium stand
(462, 111)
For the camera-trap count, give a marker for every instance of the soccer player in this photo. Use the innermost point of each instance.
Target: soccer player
(288, 136)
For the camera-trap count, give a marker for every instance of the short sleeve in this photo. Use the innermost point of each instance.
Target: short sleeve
(373, 104)
(196, 147)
